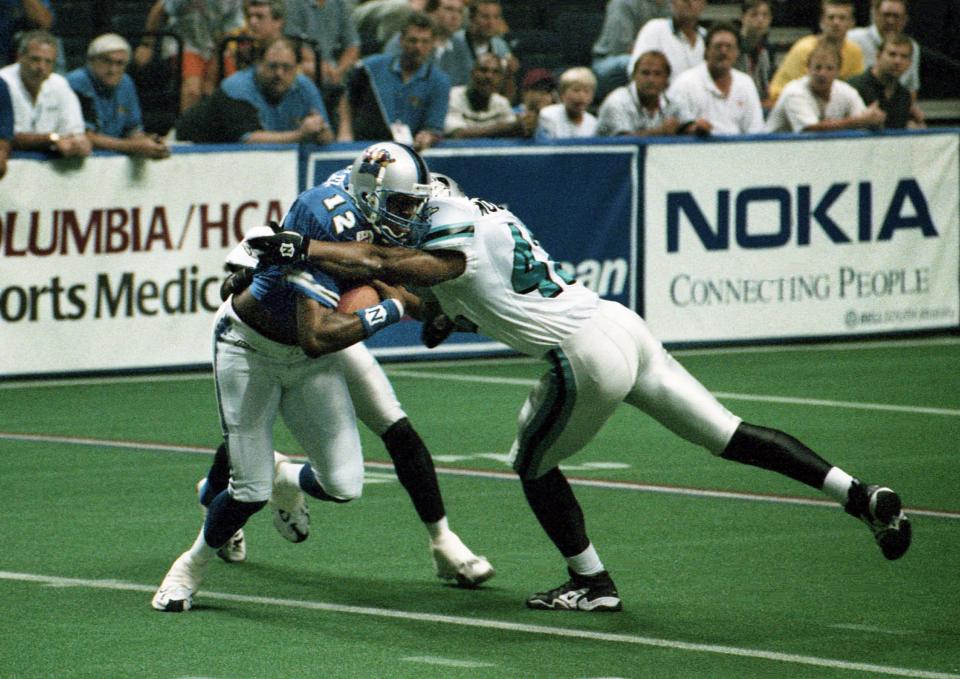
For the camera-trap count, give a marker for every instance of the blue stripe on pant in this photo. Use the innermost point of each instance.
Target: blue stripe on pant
(552, 416)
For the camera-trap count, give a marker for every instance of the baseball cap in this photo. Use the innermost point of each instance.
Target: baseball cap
(108, 42)
(538, 78)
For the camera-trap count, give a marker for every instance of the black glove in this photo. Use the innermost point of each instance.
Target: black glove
(236, 282)
(436, 330)
(285, 247)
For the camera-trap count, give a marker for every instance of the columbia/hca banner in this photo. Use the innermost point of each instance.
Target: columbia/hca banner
(116, 264)
(580, 201)
(819, 237)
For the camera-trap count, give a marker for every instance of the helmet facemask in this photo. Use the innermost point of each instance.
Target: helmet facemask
(391, 185)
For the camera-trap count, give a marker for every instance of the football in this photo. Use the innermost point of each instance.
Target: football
(358, 298)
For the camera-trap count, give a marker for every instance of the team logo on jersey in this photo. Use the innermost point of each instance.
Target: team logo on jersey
(364, 236)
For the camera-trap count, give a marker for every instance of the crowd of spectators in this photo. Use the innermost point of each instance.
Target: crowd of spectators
(420, 71)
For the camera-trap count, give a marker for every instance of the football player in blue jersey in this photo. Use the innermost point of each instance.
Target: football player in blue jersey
(485, 265)
(277, 347)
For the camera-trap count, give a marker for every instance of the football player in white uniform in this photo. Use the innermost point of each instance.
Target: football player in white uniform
(484, 265)
(275, 353)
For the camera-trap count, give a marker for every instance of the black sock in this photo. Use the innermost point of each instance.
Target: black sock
(225, 517)
(414, 468)
(218, 477)
(776, 451)
(553, 503)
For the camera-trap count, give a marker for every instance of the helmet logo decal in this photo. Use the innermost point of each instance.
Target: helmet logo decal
(375, 160)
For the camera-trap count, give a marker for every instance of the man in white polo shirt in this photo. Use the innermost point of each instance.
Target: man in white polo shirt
(46, 112)
(714, 97)
(680, 37)
(819, 102)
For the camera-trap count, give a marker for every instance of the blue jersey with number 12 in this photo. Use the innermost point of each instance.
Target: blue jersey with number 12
(328, 213)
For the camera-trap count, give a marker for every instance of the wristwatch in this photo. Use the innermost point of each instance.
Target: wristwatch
(54, 138)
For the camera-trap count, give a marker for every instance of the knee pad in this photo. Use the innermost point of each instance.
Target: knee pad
(338, 488)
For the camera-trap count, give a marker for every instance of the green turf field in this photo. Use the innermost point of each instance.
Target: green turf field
(761, 579)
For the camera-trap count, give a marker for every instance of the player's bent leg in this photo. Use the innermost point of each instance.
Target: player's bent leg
(235, 549)
(415, 470)
(877, 506)
(553, 503)
(291, 516)
(776, 451)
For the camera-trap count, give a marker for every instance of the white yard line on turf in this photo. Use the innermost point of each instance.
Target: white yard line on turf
(481, 473)
(465, 363)
(512, 627)
(733, 396)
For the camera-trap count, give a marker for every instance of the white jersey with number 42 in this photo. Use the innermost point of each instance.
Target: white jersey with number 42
(511, 289)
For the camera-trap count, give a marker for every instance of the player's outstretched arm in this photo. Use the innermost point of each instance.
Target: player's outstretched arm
(391, 264)
(358, 261)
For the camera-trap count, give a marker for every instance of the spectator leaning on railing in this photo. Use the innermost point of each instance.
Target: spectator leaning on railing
(819, 102)
(641, 108)
(46, 112)
(890, 17)
(108, 99)
(714, 97)
(882, 82)
(478, 109)
(267, 103)
(570, 118)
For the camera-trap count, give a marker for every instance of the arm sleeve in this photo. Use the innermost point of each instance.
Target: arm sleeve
(680, 95)
(314, 99)
(134, 122)
(799, 112)
(72, 120)
(753, 124)
(454, 119)
(348, 30)
(439, 103)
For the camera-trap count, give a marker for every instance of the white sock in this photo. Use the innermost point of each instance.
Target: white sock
(438, 528)
(837, 484)
(288, 474)
(586, 562)
(200, 550)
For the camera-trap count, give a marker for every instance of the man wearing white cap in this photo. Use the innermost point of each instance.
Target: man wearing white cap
(109, 100)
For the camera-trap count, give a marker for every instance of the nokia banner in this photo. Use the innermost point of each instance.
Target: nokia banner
(760, 239)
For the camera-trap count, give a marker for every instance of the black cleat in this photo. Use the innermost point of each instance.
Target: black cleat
(580, 593)
(880, 508)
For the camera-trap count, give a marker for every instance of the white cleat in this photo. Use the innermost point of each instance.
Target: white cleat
(235, 549)
(453, 560)
(291, 516)
(179, 585)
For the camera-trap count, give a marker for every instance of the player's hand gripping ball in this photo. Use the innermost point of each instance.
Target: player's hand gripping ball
(357, 298)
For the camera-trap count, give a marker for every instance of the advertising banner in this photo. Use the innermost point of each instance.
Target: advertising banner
(819, 237)
(581, 202)
(117, 263)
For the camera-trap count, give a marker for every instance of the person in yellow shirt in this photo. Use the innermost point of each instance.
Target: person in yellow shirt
(836, 18)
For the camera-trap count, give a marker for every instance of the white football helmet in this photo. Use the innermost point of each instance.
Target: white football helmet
(391, 184)
(443, 186)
